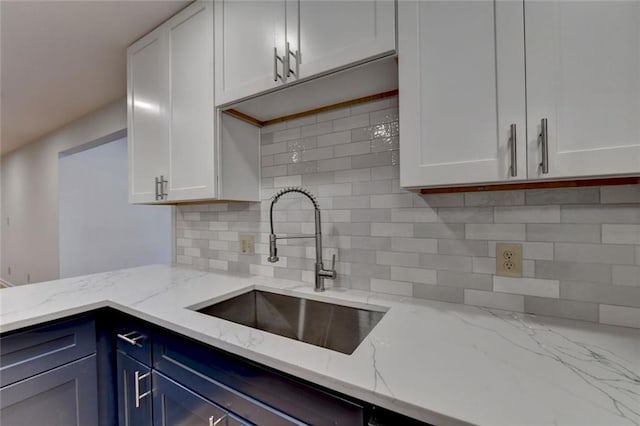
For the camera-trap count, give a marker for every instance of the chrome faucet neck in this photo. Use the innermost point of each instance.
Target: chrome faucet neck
(320, 272)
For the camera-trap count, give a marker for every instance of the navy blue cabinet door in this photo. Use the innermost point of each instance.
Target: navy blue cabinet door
(134, 392)
(62, 396)
(175, 405)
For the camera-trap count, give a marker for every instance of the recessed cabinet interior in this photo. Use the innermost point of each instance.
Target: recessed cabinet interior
(469, 115)
(177, 139)
(261, 45)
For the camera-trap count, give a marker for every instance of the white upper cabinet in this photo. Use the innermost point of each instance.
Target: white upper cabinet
(176, 136)
(263, 44)
(458, 96)
(583, 76)
(250, 42)
(463, 81)
(147, 101)
(329, 34)
(191, 121)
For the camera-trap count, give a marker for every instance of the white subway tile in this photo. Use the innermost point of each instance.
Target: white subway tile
(184, 260)
(484, 265)
(218, 226)
(337, 138)
(488, 299)
(351, 122)
(285, 135)
(316, 129)
(334, 189)
(218, 245)
(266, 271)
(183, 242)
(192, 233)
(332, 164)
(527, 286)
(414, 215)
(357, 175)
(392, 230)
(192, 216)
(391, 287)
(563, 232)
(414, 245)
(285, 181)
(391, 201)
(413, 275)
(396, 259)
(621, 234)
(626, 275)
(595, 253)
(274, 148)
(219, 264)
(620, 315)
(228, 236)
(190, 251)
(620, 194)
(355, 148)
(317, 154)
(527, 214)
(502, 232)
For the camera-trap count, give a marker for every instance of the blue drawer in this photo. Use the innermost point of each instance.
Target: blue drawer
(27, 353)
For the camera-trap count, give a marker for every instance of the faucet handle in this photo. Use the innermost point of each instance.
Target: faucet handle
(333, 262)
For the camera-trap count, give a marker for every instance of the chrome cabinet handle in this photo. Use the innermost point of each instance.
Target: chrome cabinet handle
(544, 140)
(277, 58)
(513, 144)
(288, 53)
(213, 422)
(157, 186)
(136, 383)
(135, 341)
(163, 193)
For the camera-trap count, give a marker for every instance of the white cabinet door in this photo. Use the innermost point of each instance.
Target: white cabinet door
(329, 34)
(461, 75)
(583, 76)
(147, 98)
(246, 34)
(191, 113)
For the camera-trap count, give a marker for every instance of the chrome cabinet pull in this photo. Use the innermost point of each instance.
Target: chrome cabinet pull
(157, 190)
(288, 53)
(163, 193)
(513, 144)
(213, 422)
(277, 58)
(136, 384)
(135, 341)
(544, 140)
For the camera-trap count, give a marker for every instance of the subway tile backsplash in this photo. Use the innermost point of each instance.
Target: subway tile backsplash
(581, 246)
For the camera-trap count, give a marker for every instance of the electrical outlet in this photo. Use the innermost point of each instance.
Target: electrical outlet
(247, 244)
(509, 260)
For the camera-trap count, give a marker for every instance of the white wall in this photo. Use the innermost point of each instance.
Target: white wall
(99, 230)
(30, 194)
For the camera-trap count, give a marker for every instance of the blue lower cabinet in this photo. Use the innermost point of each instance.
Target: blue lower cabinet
(175, 405)
(134, 391)
(65, 395)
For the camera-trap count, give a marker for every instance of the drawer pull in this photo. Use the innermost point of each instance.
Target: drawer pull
(213, 422)
(135, 340)
(137, 378)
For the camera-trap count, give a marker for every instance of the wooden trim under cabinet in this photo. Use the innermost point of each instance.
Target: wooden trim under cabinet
(535, 185)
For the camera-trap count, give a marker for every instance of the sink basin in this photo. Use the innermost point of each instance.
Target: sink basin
(336, 327)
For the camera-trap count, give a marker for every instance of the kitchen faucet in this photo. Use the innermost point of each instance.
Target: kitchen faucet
(321, 273)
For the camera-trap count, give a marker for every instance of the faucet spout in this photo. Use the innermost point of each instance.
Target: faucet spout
(320, 273)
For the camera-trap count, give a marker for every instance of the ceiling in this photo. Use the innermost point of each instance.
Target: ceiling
(63, 59)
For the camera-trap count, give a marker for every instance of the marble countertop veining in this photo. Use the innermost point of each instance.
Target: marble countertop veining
(439, 362)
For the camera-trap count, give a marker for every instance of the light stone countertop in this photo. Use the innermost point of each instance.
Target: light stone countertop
(439, 362)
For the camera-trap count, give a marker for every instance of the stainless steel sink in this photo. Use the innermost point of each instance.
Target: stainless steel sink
(336, 327)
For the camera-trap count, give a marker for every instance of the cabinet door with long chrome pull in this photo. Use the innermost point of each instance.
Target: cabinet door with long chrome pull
(134, 391)
(583, 88)
(250, 47)
(462, 92)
